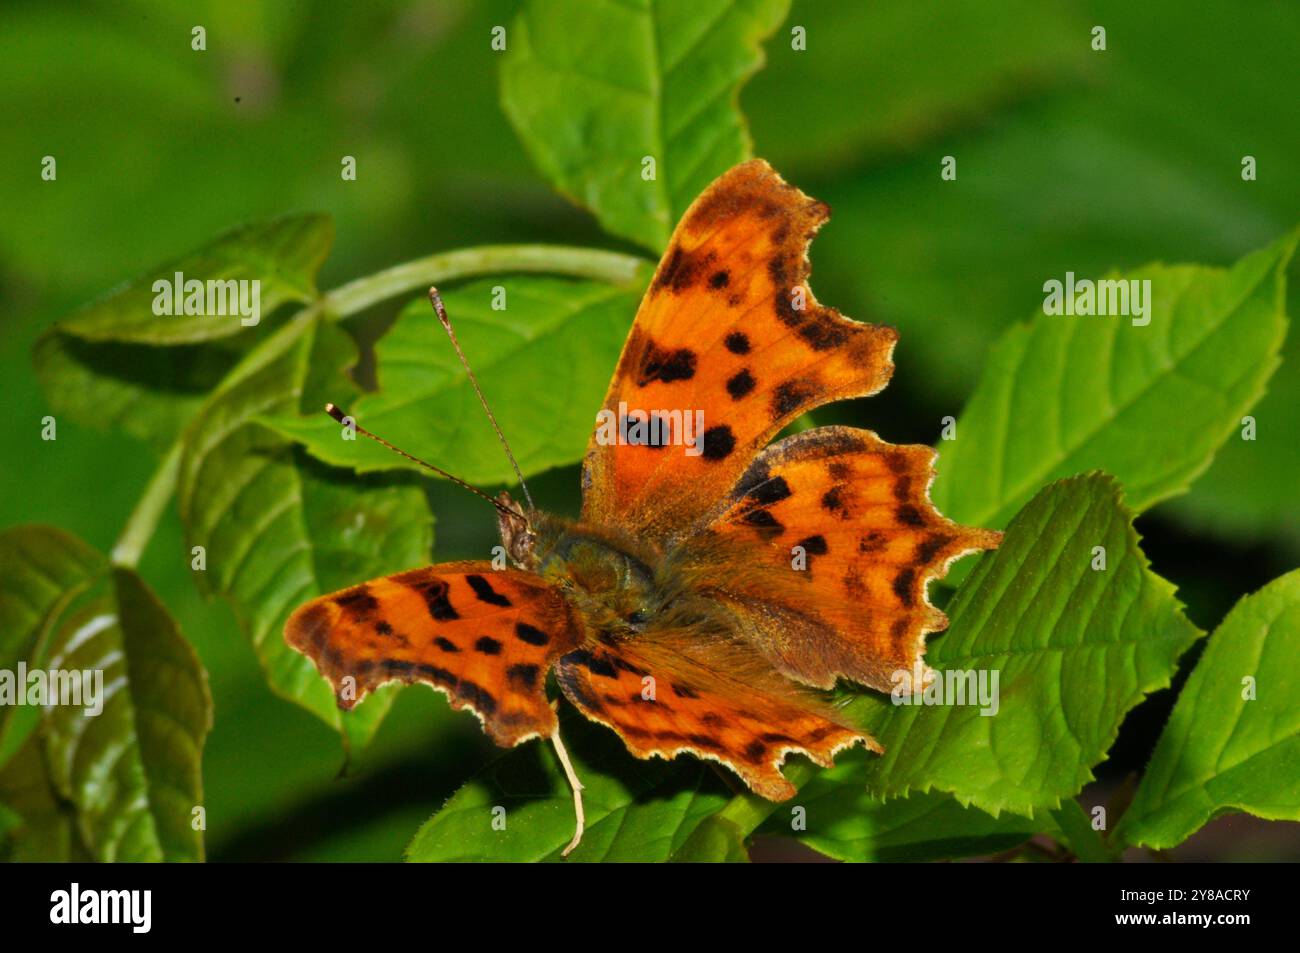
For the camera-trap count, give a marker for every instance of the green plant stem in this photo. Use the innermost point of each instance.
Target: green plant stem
(148, 510)
(1078, 834)
(613, 267)
(356, 296)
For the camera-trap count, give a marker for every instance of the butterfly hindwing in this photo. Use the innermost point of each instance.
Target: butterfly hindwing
(844, 540)
(728, 328)
(485, 638)
(671, 694)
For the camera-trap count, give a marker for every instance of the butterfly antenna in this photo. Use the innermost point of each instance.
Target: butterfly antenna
(436, 300)
(334, 411)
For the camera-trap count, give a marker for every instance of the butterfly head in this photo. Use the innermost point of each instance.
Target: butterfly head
(517, 532)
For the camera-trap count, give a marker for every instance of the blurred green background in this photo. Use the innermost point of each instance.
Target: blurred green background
(1068, 159)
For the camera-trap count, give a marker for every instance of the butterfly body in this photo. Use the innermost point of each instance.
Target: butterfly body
(702, 602)
(620, 587)
(610, 581)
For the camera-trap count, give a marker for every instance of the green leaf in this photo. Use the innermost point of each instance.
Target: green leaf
(1150, 404)
(114, 772)
(283, 255)
(1223, 752)
(594, 88)
(882, 91)
(544, 364)
(1074, 649)
(1248, 494)
(842, 819)
(716, 840)
(145, 391)
(42, 569)
(636, 811)
(278, 528)
(38, 827)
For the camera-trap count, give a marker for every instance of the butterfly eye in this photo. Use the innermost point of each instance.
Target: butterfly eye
(638, 618)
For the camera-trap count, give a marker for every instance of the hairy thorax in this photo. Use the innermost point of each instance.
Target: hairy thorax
(620, 586)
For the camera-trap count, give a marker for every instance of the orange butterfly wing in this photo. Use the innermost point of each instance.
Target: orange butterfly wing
(666, 695)
(485, 639)
(843, 541)
(728, 327)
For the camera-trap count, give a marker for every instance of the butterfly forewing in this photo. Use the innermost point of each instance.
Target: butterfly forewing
(485, 638)
(728, 329)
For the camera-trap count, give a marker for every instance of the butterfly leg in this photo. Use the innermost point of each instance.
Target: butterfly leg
(579, 816)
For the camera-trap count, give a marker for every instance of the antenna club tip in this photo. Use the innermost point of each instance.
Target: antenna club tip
(334, 411)
(436, 300)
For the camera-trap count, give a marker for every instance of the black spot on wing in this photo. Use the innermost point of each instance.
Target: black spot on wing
(825, 330)
(737, 342)
(523, 676)
(487, 645)
(719, 279)
(432, 590)
(357, 603)
(768, 526)
(872, 542)
(769, 491)
(718, 442)
(909, 515)
(740, 384)
(903, 585)
(681, 269)
(483, 589)
(530, 634)
(596, 664)
(666, 365)
(639, 429)
(792, 395)
(833, 500)
(439, 676)
(814, 545)
(779, 272)
(625, 665)
(476, 697)
(931, 547)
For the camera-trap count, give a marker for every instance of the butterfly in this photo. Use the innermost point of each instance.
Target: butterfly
(714, 586)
